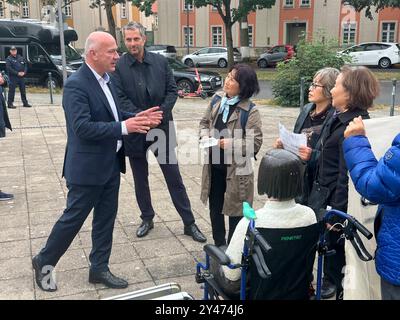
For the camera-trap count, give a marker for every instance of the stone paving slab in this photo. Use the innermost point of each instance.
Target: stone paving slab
(30, 167)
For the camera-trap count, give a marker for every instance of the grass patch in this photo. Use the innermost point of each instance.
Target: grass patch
(42, 90)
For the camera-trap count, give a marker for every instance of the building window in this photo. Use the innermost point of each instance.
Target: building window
(67, 8)
(185, 36)
(1, 9)
(305, 3)
(288, 3)
(250, 32)
(388, 31)
(349, 34)
(187, 6)
(123, 10)
(25, 9)
(216, 33)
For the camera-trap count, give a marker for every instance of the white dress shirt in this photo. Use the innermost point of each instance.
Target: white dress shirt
(103, 80)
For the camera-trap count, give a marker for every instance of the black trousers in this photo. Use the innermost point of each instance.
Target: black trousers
(176, 188)
(80, 201)
(216, 204)
(14, 82)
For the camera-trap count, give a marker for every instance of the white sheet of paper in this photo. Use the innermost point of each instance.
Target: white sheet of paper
(291, 141)
(208, 142)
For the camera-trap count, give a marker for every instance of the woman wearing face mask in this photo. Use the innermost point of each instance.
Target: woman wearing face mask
(354, 92)
(234, 121)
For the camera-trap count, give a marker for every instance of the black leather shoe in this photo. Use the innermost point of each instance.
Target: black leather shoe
(194, 232)
(144, 228)
(11, 106)
(27, 105)
(44, 280)
(108, 279)
(328, 289)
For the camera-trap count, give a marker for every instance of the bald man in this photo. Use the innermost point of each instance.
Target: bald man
(94, 158)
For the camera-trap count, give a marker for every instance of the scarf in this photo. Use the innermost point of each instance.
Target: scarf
(224, 107)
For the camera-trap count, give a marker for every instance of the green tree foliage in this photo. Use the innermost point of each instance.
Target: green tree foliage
(310, 57)
(226, 9)
(367, 4)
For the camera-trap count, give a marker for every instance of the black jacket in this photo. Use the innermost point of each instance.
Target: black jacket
(15, 65)
(161, 90)
(332, 169)
(309, 173)
(4, 120)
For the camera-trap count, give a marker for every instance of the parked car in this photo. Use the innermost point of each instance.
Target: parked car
(163, 49)
(186, 79)
(39, 44)
(217, 56)
(274, 55)
(381, 54)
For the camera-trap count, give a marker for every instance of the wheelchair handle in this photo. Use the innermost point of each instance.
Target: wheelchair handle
(261, 241)
(351, 220)
(361, 228)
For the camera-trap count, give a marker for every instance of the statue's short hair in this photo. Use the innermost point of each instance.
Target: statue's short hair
(280, 175)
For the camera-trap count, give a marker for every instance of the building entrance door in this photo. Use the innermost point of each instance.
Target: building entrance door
(295, 32)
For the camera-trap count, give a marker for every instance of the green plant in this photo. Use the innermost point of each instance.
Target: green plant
(310, 57)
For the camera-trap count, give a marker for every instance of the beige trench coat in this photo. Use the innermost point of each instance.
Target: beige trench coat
(240, 175)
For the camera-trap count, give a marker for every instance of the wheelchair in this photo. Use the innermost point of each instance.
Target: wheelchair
(277, 264)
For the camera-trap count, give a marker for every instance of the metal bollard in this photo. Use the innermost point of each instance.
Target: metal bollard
(394, 82)
(302, 83)
(50, 81)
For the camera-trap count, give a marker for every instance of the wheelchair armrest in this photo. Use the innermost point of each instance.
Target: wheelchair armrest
(220, 256)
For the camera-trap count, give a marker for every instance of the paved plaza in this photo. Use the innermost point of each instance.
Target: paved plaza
(31, 159)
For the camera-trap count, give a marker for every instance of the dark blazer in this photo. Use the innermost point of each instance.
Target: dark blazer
(161, 89)
(332, 169)
(15, 65)
(4, 120)
(92, 130)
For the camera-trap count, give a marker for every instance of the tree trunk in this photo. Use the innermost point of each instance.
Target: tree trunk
(244, 36)
(110, 18)
(229, 43)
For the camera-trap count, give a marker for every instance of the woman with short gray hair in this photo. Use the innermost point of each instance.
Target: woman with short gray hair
(311, 121)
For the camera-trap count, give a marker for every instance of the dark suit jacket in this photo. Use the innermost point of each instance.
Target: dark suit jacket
(4, 120)
(161, 89)
(92, 130)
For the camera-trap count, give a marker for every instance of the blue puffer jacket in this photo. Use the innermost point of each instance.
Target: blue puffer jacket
(380, 183)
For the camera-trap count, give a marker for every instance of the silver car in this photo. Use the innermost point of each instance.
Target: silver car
(217, 56)
(165, 50)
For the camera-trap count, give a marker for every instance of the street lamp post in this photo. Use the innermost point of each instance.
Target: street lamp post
(62, 43)
(187, 28)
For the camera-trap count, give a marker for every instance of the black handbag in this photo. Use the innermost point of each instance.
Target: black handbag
(319, 197)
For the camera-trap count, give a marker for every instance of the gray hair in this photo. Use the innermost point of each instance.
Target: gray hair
(133, 25)
(327, 78)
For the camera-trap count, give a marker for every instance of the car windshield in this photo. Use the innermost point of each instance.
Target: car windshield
(55, 52)
(175, 64)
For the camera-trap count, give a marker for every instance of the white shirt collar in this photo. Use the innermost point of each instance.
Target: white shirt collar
(105, 77)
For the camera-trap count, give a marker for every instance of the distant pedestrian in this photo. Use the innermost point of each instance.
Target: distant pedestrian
(16, 68)
(4, 123)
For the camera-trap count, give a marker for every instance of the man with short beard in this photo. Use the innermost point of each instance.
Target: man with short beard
(145, 80)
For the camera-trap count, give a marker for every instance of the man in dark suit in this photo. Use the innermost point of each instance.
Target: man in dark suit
(4, 123)
(93, 161)
(144, 80)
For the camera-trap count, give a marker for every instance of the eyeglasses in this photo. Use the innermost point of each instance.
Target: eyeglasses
(314, 85)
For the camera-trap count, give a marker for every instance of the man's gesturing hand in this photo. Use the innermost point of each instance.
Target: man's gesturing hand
(154, 115)
(144, 121)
